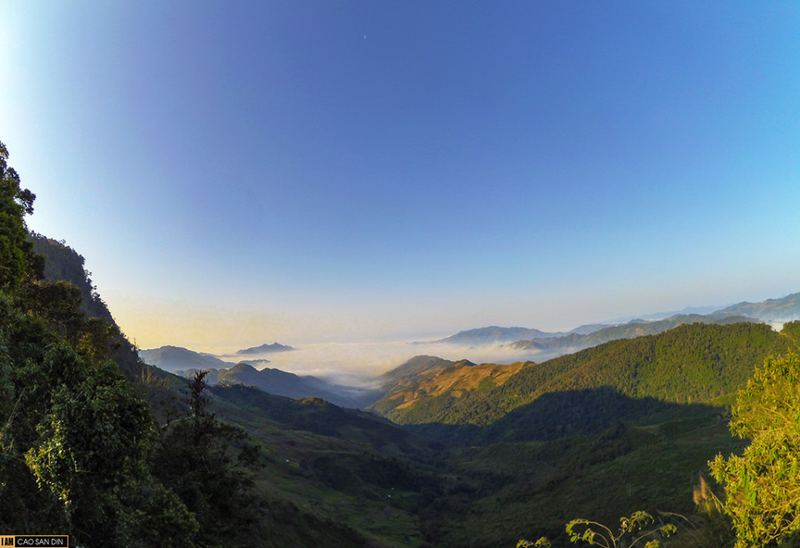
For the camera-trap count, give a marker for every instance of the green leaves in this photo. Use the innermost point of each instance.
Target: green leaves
(93, 444)
(541, 543)
(581, 531)
(16, 253)
(763, 485)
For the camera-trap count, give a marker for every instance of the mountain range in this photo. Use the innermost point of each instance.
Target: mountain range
(692, 363)
(484, 336)
(176, 358)
(104, 446)
(551, 347)
(628, 424)
(785, 309)
(542, 345)
(406, 388)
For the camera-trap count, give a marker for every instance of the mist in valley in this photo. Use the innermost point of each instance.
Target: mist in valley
(361, 363)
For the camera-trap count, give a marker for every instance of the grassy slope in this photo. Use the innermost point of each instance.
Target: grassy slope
(454, 380)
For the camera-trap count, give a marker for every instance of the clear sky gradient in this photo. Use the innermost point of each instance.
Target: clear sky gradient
(242, 172)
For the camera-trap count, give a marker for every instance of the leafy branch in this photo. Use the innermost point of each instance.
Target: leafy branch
(581, 530)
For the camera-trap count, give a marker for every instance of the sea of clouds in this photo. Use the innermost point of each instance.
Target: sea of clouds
(360, 363)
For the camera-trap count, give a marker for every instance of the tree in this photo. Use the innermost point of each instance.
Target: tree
(762, 486)
(195, 460)
(74, 436)
(16, 253)
(93, 446)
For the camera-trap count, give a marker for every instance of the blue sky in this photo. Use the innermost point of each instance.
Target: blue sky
(243, 172)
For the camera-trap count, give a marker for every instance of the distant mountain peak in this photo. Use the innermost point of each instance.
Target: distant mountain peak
(494, 334)
(771, 310)
(264, 349)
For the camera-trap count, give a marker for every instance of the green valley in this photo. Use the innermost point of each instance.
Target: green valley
(96, 444)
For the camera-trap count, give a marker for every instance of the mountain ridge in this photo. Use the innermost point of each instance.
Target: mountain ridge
(264, 349)
(782, 309)
(493, 334)
(282, 383)
(690, 363)
(575, 342)
(176, 358)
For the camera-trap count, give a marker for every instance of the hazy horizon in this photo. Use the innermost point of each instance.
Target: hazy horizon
(330, 173)
(358, 363)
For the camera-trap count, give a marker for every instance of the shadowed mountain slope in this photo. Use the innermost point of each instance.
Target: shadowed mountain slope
(282, 383)
(176, 358)
(691, 363)
(64, 263)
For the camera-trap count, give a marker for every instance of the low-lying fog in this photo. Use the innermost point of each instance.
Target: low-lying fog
(358, 364)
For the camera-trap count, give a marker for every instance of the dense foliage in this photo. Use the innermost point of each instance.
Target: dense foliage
(64, 263)
(75, 436)
(17, 260)
(763, 485)
(77, 441)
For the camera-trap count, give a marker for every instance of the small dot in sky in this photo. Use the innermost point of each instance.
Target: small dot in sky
(365, 37)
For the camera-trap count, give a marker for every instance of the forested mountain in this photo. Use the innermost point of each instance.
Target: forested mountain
(75, 437)
(64, 263)
(688, 364)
